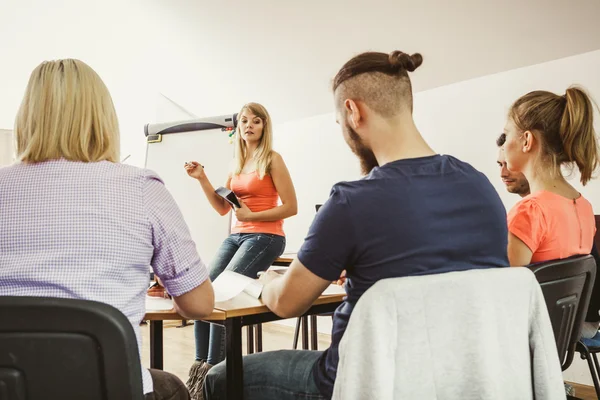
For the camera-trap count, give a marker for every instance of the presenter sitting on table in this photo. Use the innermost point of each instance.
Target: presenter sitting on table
(414, 213)
(259, 180)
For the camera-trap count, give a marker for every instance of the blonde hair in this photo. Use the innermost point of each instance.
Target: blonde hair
(263, 153)
(566, 127)
(67, 112)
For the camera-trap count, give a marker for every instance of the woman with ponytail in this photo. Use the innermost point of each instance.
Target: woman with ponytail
(545, 132)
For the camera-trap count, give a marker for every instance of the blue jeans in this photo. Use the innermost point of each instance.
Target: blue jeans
(244, 253)
(273, 375)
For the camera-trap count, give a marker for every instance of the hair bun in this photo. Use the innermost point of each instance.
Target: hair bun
(402, 61)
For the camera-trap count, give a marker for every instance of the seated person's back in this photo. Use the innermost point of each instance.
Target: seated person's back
(416, 216)
(545, 132)
(553, 226)
(74, 223)
(415, 213)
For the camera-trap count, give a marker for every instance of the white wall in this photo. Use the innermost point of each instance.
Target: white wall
(115, 37)
(462, 119)
(212, 57)
(6, 147)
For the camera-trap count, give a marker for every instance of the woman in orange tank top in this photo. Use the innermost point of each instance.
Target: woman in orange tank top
(259, 180)
(544, 132)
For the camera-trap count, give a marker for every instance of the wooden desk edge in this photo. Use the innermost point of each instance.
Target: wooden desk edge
(238, 310)
(171, 315)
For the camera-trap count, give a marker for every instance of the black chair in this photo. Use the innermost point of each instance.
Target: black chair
(586, 352)
(567, 287)
(592, 314)
(66, 349)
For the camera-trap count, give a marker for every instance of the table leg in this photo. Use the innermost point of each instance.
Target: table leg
(314, 340)
(250, 339)
(156, 344)
(304, 332)
(258, 343)
(184, 323)
(233, 361)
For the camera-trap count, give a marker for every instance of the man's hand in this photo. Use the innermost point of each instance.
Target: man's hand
(342, 280)
(269, 276)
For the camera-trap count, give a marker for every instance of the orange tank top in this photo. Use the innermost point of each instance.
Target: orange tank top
(259, 195)
(552, 226)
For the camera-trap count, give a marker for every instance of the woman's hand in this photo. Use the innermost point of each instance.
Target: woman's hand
(243, 213)
(195, 170)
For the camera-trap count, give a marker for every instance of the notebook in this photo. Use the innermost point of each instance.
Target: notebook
(228, 196)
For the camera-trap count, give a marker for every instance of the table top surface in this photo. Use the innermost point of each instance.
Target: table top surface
(241, 305)
(244, 304)
(172, 315)
(286, 258)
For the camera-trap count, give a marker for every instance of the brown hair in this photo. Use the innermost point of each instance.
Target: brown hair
(565, 125)
(379, 79)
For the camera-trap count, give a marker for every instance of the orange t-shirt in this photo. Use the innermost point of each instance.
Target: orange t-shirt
(259, 195)
(552, 226)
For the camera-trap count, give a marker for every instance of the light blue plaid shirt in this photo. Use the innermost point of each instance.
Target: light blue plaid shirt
(92, 231)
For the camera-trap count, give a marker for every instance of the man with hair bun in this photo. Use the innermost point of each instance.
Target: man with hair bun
(415, 212)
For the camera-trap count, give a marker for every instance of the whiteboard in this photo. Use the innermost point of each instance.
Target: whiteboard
(463, 119)
(210, 148)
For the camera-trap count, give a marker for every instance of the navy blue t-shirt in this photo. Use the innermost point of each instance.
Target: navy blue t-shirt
(417, 216)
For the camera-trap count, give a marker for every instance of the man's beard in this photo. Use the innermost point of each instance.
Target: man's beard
(365, 155)
(521, 188)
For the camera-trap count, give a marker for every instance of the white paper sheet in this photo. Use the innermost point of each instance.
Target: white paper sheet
(334, 289)
(158, 304)
(229, 284)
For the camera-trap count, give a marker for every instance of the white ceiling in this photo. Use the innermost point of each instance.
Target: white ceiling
(213, 56)
(285, 54)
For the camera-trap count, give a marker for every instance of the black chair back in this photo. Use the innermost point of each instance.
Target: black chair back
(567, 286)
(66, 349)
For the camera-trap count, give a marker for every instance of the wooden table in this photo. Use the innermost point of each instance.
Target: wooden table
(234, 314)
(242, 310)
(285, 260)
(156, 319)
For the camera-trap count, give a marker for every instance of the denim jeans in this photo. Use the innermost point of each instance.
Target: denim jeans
(273, 375)
(244, 253)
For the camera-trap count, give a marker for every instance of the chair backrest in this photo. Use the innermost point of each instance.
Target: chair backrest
(66, 349)
(593, 313)
(481, 333)
(597, 237)
(567, 287)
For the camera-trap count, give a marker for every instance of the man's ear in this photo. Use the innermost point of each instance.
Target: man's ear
(353, 113)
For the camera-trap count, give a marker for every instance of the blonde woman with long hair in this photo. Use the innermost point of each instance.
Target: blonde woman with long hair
(259, 179)
(75, 223)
